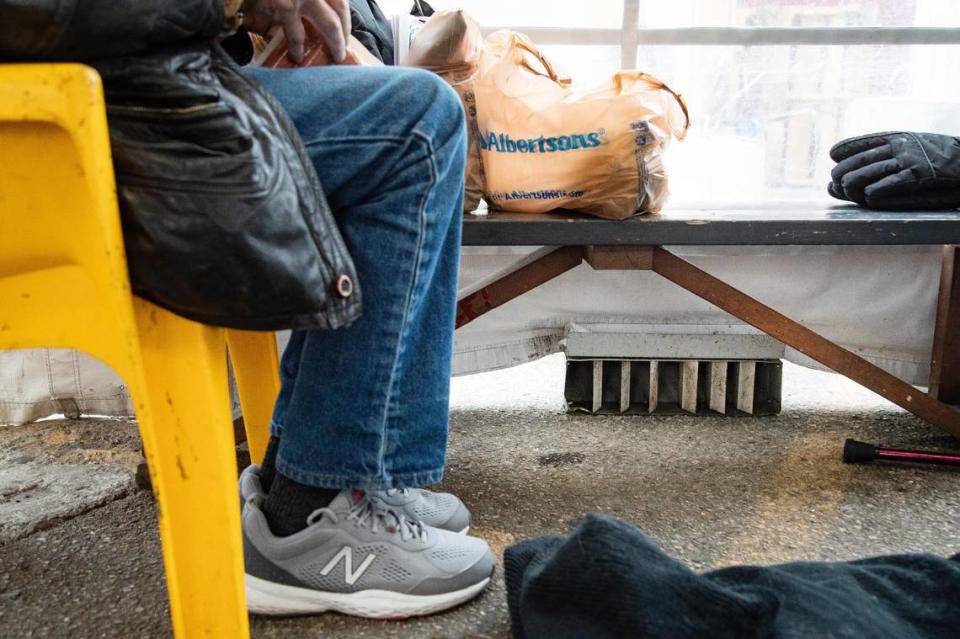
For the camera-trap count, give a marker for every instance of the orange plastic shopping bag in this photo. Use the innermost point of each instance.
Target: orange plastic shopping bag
(545, 145)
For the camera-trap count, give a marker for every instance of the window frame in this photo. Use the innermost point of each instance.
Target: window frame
(630, 36)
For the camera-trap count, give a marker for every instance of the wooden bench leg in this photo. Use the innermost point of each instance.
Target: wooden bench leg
(793, 334)
(512, 286)
(945, 363)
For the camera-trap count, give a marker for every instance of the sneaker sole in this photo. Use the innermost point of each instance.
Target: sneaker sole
(269, 598)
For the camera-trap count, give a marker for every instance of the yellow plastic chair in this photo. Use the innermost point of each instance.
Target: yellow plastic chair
(63, 283)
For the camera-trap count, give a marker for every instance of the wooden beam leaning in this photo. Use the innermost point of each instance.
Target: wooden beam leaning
(689, 372)
(945, 363)
(797, 336)
(718, 387)
(746, 383)
(512, 286)
(597, 386)
(654, 386)
(625, 378)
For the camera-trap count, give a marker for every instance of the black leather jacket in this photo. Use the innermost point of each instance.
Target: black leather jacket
(224, 218)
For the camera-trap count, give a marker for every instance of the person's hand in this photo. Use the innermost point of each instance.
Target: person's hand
(328, 20)
(898, 170)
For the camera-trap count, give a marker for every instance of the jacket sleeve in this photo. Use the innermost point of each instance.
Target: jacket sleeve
(85, 30)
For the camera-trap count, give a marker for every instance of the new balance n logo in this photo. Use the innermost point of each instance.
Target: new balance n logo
(346, 554)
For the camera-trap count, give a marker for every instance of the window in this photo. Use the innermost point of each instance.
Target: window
(771, 84)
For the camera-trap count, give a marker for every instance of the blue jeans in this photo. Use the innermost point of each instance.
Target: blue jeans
(367, 406)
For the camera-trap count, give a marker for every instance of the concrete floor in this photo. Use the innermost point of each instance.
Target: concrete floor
(715, 492)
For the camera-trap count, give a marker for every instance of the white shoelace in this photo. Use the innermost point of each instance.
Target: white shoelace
(371, 513)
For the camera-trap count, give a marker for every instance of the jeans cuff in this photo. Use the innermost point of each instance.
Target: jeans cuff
(324, 480)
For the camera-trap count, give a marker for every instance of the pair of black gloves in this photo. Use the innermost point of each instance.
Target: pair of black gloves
(897, 171)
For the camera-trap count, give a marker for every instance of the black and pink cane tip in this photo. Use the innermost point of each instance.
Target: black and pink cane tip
(855, 452)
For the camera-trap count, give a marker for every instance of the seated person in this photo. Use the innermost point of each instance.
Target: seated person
(333, 519)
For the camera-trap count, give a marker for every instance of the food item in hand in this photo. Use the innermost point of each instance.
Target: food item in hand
(315, 53)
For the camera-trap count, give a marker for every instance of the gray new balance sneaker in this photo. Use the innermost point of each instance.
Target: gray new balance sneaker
(440, 510)
(359, 557)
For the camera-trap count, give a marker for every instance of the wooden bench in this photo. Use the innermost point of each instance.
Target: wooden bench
(637, 244)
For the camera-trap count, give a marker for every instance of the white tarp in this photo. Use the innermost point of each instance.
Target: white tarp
(878, 301)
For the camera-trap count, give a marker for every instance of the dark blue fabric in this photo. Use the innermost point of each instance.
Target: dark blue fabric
(608, 579)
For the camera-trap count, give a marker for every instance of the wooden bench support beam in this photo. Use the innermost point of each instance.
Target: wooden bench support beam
(797, 336)
(515, 284)
(945, 364)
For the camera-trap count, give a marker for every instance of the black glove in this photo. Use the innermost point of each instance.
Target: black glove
(898, 170)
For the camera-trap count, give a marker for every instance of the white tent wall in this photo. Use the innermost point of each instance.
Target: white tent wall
(38, 383)
(43, 382)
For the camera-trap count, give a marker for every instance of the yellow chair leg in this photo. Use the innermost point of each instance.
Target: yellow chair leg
(257, 371)
(185, 422)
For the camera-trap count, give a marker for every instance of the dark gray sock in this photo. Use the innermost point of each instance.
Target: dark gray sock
(289, 503)
(268, 469)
